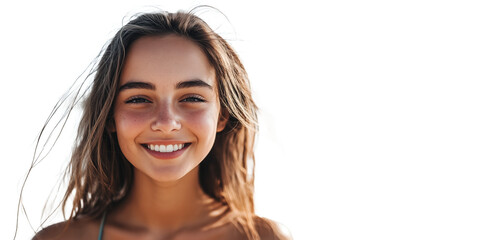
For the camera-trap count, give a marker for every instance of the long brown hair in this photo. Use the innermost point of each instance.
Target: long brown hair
(100, 175)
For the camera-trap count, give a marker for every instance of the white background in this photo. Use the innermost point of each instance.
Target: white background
(372, 112)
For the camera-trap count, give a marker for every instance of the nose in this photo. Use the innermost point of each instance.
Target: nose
(166, 119)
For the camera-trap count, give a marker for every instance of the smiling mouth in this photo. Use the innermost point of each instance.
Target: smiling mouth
(166, 148)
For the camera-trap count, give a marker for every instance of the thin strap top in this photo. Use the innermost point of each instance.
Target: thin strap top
(101, 227)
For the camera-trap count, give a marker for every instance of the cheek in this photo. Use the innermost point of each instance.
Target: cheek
(203, 123)
(128, 123)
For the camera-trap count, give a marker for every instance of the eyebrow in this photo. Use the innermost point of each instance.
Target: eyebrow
(180, 85)
(138, 85)
(193, 83)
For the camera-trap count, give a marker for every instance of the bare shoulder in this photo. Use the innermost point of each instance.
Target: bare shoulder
(269, 229)
(78, 229)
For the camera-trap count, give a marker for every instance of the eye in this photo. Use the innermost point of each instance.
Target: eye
(194, 98)
(137, 100)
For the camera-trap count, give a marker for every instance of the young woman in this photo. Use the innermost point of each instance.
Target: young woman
(165, 143)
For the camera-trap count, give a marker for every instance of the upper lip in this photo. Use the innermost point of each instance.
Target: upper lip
(165, 142)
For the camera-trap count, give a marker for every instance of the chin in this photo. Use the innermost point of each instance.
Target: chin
(172, 174)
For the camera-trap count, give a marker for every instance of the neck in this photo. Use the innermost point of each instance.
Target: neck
(167, 206)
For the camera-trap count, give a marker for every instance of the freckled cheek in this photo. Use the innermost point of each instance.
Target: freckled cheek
(127, 122)
(202, 121)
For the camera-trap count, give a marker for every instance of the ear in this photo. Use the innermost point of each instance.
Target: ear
(223, 118)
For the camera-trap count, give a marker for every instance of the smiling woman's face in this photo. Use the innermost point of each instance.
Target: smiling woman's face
(167, 111)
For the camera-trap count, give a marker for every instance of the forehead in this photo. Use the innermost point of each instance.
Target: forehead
(166, 59)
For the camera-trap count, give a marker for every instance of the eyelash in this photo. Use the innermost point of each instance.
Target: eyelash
(194, 99)
(136, 100)
(191, 99)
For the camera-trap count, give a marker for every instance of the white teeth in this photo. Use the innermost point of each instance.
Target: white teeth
(169, 148)
(166, 148)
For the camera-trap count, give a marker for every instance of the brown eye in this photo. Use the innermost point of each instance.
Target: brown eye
(193, 99)
(137, 100)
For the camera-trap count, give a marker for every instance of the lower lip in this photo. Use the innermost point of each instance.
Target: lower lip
(167, 155)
